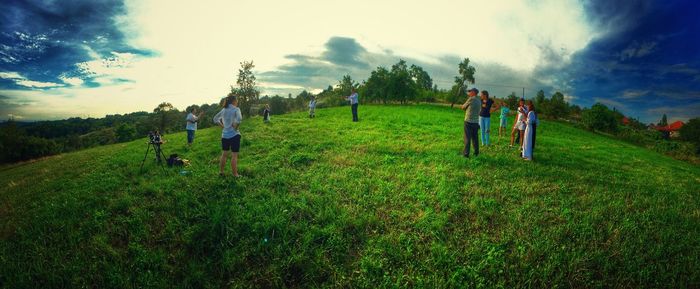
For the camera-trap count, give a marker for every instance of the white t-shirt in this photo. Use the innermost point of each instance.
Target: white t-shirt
(191, 122)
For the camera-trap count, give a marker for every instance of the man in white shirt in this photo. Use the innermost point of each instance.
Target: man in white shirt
(192, 124)
(312, 107)
(353, 98)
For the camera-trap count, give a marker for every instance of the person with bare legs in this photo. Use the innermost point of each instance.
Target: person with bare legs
(519, 124)
(229, 119)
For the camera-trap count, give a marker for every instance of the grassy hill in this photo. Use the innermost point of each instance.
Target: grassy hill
(380, 203)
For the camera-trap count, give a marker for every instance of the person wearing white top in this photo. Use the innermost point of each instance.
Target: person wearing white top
(312, 107)
(519, 124)
(191, 126)
(529, 135)
(353, 98)
(229, 119)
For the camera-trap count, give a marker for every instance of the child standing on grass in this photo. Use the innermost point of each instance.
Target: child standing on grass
(266, 113)
(312, 107)
(519, 125)
(229, 119)
(504, 120)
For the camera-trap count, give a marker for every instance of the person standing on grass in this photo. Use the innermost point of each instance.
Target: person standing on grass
(485, 117)
(471, 122)
(312, 107)
(229, 119)
(192, 125)
(529, 139)
(519, 124)
(353, 98)
(266, 113)
(504, 119)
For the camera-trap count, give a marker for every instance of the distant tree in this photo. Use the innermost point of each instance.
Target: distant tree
(466, 72)
(558, 107)
(375, 89)
(599, 117)
(542, 103)
(246, 91)
(457, 93)
(163, 115)
(690, 132)
(125, 132)
(401, 87)
(574, 110)
(346, 85)
(512, 100)
(420, 77)
(664, 121)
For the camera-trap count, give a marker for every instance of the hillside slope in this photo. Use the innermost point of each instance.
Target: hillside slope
(384, 202)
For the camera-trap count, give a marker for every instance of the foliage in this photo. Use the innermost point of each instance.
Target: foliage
(600, 118)
(247, 91)
(690, 132)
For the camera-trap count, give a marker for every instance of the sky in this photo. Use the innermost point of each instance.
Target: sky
(61, 59)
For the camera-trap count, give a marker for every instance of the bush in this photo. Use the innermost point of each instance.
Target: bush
(600, 118)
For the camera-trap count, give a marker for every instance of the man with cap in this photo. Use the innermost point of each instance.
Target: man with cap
(471, 121)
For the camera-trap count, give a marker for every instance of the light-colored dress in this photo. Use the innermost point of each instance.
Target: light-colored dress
(527, 141)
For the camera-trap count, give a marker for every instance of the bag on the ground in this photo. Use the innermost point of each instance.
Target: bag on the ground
(174, 160)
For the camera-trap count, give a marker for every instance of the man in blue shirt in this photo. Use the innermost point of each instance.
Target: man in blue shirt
(229, 119)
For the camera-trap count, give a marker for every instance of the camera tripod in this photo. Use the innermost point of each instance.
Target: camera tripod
(159, 153)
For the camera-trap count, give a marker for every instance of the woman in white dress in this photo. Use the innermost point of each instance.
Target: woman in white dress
(528, 140)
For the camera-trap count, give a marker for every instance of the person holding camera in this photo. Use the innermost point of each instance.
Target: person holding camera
(229, 119)
(192, 124)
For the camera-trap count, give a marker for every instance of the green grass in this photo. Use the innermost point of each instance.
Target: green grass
(386, 202)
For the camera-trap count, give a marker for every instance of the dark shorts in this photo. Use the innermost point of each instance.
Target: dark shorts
(233, 144)
(190, 136)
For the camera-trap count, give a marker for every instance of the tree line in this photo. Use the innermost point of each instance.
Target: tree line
(399, 84)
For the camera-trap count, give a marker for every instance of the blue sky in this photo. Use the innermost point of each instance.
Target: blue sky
(60, 59)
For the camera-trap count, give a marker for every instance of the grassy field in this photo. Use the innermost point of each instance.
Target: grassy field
(386, 202)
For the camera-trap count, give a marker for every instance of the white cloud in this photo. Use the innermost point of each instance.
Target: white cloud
(633, 93)
(199, 45)
(23, 81)
(75, 81)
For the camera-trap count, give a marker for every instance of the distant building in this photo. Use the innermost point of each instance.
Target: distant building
(671, 129)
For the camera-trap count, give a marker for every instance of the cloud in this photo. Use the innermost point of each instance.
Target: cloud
(636, 50)
(674, 113)
(23, 81)
(633, 93)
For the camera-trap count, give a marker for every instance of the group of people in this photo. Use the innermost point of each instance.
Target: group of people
(477, 116)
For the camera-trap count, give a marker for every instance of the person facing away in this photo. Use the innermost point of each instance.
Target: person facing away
(266, 113)
(485, 117)
(519, 124)
(471, 122)
(353, 98)
(312, 107)
(529, 139)
(191, 126)
(229, 119)
(504, 119)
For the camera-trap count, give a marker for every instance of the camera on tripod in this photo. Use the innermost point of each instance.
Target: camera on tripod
(155, 138)
(154, 141)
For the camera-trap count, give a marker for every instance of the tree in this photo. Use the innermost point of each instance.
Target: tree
(125, 132)
(664, 121)
(163, 115)
(376, 87)
(465, 77)
(541, 103)
(346, 85)
(420, 77)
(558, 107)
(599, 117)
(247, 92)
(512, 101)
(401, 87)
(691, 132)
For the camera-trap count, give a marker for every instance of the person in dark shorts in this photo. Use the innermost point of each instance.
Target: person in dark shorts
(229, 119)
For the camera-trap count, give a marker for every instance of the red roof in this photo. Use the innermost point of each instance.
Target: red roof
(671, 127)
